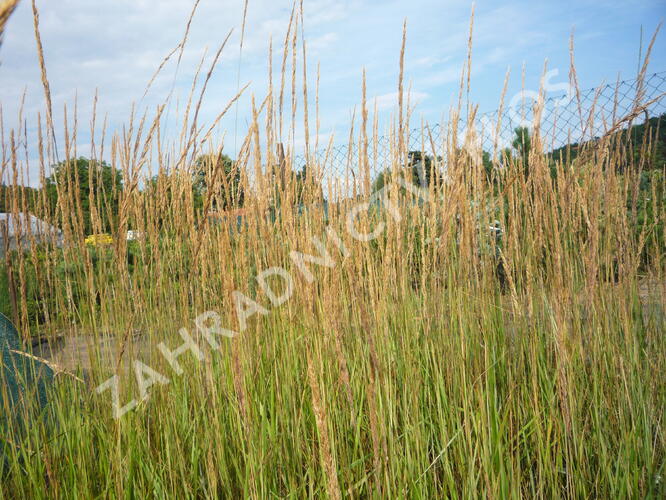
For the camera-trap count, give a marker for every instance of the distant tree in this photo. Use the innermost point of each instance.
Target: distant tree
(306, 186)
(382, 179)
(220, 173)
(300, 187)
(633, 139)
(75, 180)
(26, 197)
(487, 165)
(167, 200)
(419, 170)
(522, 144)
(422, 167)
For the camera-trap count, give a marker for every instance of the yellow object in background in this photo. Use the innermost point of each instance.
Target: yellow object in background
(98, 240)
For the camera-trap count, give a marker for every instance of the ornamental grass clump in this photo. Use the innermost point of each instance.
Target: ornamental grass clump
(371, 345)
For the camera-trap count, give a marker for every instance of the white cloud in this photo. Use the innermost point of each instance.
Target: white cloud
(390, 100)
(316, 45)
(428, 61)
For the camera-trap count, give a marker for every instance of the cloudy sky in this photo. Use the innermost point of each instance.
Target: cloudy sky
(114, 46)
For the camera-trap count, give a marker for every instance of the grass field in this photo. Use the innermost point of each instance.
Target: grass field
(422, 358)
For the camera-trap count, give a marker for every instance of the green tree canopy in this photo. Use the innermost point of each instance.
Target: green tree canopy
(306, 186)
(420, 170)
(295, 187)
(75, 183)
(652, 132)
(26, 198)
(522, 144)
(220, 173)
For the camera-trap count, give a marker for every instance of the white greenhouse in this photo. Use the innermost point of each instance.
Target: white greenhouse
(18, 231)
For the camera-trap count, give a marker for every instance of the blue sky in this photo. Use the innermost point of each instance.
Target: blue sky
(114, 46)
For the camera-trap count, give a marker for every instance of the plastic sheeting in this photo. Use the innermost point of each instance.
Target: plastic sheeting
(23, 387)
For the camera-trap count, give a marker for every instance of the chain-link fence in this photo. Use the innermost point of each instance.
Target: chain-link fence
(568, 117)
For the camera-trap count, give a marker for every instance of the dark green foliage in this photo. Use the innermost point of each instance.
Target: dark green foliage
(220, 173)
(382, 179)
(5, 299)
(37, 302)
(80, 177)
(632, 140)
(487, 165)
(522, 144)
(650, 199)
(41, 300)
(306, 186)
(25, 194)
(172, 189)
(420, 170)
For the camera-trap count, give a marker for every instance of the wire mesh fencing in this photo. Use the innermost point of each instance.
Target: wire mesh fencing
(569, 117)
